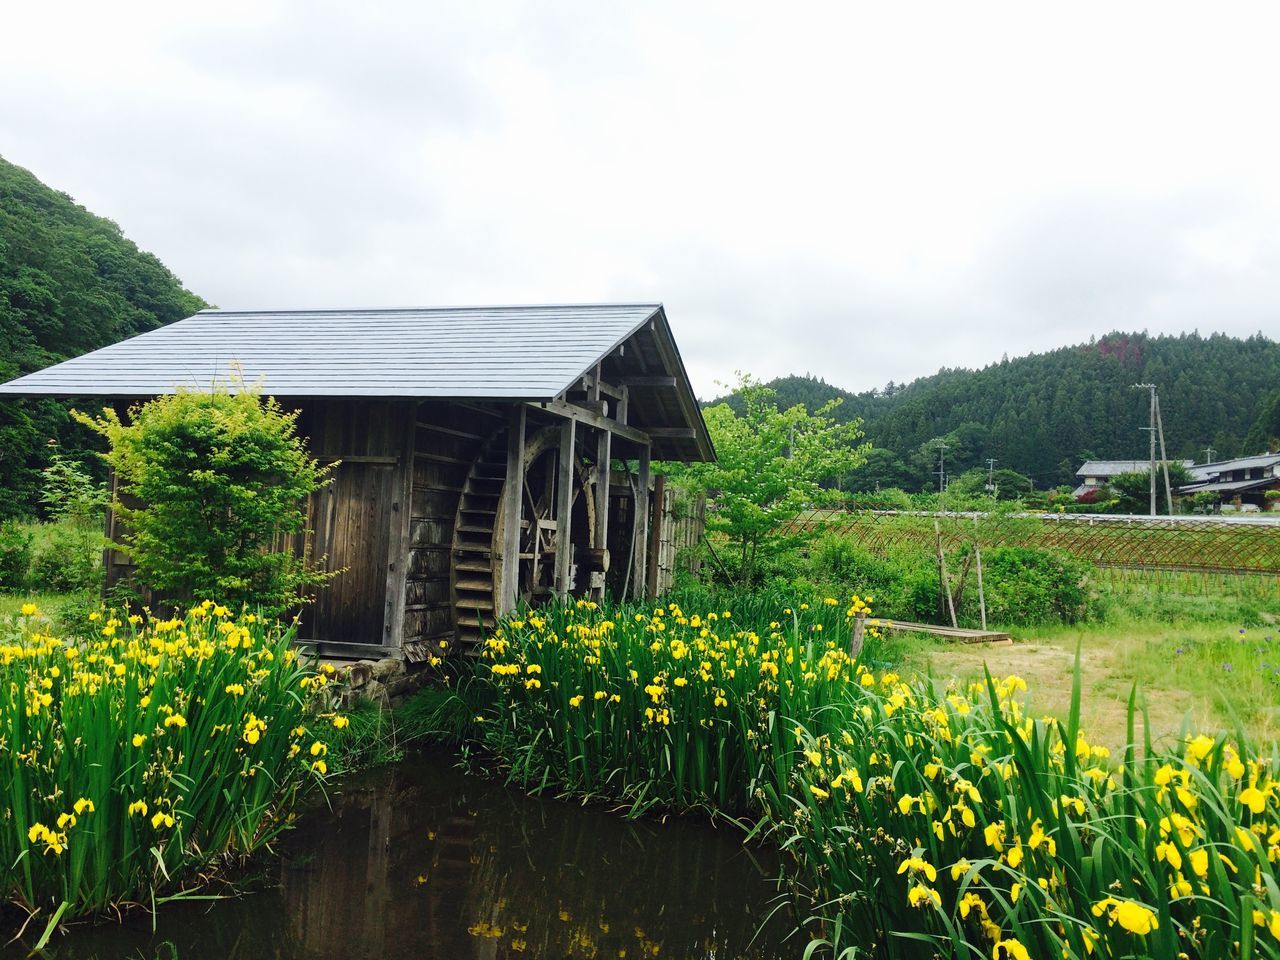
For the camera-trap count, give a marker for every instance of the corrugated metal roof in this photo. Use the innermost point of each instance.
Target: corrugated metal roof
(529, 353)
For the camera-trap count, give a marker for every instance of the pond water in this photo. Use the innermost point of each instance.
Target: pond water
(422, 861)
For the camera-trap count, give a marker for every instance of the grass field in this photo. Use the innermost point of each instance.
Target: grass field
(1202, 650)
(11, 603)
(1204, 676)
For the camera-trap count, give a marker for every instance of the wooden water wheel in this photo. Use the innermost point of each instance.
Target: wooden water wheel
(479, 528)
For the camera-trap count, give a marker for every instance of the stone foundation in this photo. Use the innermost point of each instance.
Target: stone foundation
(386, 682)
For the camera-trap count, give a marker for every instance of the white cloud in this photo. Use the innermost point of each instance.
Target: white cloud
(863, 191)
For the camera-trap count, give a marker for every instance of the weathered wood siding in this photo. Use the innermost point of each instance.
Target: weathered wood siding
(359, 522)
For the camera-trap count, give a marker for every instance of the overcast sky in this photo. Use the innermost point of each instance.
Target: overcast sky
(865, 192)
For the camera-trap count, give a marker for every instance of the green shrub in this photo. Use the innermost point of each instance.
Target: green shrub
(890, 498)
(69, 559)
(1028, 585)
(1023, 585)
(902, 580)
(218, 483)
(15, 556)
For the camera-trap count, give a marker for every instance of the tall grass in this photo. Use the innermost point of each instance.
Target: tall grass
(1177, 597)
(134, 759)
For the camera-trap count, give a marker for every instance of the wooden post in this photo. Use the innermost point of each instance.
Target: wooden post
(943, 575)
(398, 541)
(655, 536)
(512, 509)
(856, 638)
(564, 509)
(982, 597)
(604, 451)
(640, 539)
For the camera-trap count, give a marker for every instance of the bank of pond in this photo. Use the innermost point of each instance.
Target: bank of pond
(910, 817)
(421, 860)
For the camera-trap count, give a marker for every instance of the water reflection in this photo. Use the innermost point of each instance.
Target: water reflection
(423, 862)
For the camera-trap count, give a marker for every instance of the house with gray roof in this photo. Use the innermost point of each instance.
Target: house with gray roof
(1096, 474)
(1242, 482)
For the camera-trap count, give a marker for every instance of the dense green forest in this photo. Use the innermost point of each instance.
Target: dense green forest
(70, 282)
(1043, 414)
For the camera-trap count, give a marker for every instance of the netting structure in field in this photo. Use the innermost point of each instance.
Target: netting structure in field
(1212, 544)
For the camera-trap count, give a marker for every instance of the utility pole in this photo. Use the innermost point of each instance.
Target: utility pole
(991, 475)
(1209, 454)
(942, 465)
(1151, 473)
(1164, 458)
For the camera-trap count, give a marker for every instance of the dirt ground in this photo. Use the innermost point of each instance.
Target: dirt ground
(1048, 666)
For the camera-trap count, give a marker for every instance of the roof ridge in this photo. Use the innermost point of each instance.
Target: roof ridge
(475, 307)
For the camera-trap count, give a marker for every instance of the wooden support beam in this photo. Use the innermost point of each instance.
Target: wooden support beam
(647, 382)
(348, 651)
(671, 361)
(674, 433)
(591, 383)
(580, 414)
(564, 509)
(601, 539)
(600, 536)
(335, 458)
(640, 544)
(448, 431)
(655, 537)
(512, 508)
(594, 385)
(400, 521)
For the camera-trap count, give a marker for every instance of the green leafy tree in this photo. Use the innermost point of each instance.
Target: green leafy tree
(68, 491)
(1133, 490)
(772, 466)
(882, 470)
(998, 484)
(211, 488)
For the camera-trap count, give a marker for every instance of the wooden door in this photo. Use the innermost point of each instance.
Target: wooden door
(351, 520)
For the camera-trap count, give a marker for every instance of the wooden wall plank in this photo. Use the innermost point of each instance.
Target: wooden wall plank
(505, 590)
(400, 521)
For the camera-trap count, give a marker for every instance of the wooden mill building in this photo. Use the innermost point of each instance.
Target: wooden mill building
(486, 456)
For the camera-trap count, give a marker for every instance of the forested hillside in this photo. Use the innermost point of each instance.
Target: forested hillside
(70, 282)
(1041, 415)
